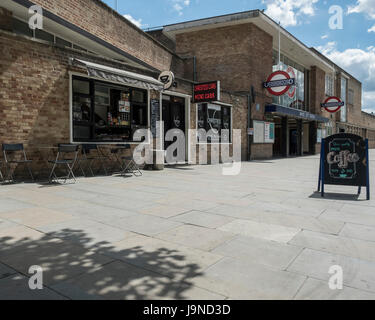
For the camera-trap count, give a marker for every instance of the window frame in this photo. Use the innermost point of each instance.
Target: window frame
(93, 82)
(329, 85)
(206, 125)
(54, 35)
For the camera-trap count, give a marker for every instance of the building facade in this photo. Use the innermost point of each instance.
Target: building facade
(90, 76)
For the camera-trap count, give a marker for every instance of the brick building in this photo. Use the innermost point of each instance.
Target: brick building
(90, 76)
(242, 50)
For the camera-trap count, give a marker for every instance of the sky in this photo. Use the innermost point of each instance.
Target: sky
(316, 23)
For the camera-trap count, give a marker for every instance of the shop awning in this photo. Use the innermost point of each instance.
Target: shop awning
(294, 113)
(120, 76)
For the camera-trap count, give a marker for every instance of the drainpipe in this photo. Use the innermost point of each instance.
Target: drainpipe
(194, 68)
(249, 99)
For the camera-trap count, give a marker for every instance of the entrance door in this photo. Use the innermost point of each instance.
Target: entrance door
(173, 115)
(293, 147)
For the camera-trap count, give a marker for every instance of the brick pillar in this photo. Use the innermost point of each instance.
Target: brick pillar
(299, 138)
(284, 137)
(5, 19)
(317, 94)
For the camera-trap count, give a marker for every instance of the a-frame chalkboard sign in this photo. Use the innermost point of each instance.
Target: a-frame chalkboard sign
(344, 160)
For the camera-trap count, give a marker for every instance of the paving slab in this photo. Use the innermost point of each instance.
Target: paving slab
(8, 204)
(97, 212)
(163, 211)
(356, 231)
(240, 279)
(4, 224)
(196, 237)
(86, 232)
(5, 271)
(355, 216)
(145, 224)
(261, 230)
(16, 287)
(357, 273)
(336, 244)
(15, 237)
(173, 260)
(203, 219)
(293, 221)
(60, 260)
(270, 253)
(36, 217)
(122, 281)
(314, 289)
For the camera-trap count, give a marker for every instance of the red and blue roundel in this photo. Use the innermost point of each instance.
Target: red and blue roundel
(279, 83)
(333, 104)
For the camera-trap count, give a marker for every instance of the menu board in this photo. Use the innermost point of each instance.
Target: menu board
(345, 160)
(155, 115)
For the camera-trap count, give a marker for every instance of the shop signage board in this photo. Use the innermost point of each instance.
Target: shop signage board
(332, 104)
(264, 132)
(279, 83)
(269, 132)
(155, 115)
(167, 78)
(207, 92)
(344, 161)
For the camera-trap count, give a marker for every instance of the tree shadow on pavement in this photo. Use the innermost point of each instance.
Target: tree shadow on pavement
(79, 270)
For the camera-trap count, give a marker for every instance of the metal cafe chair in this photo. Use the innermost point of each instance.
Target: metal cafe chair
(129, 165)
(116, 152)
(1, 174)
(10, 152)
(62, 152)
(89, 158)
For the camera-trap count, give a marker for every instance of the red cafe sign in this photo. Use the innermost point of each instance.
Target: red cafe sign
(333, 104)
(207, 92)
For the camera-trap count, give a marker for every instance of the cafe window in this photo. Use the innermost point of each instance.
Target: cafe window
(104, 112)
(216, 118)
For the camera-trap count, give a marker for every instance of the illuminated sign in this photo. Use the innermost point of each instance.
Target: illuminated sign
(207, 92)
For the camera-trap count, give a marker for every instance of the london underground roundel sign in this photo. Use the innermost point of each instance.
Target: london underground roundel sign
(279, 83)
(333, 104)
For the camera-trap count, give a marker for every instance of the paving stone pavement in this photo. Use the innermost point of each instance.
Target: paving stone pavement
(189, 233)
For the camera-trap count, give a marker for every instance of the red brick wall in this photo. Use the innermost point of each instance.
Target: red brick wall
(100, 20)
(5, 19)
(240, 57)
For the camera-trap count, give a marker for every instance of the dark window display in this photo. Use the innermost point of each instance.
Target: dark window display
(103, 112)
(216, 118)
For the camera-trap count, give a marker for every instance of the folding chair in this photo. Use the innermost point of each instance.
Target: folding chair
(10, 152)
(130, 166)
(116, 152)
(69, 163)
(89, 158)
(1, 174)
